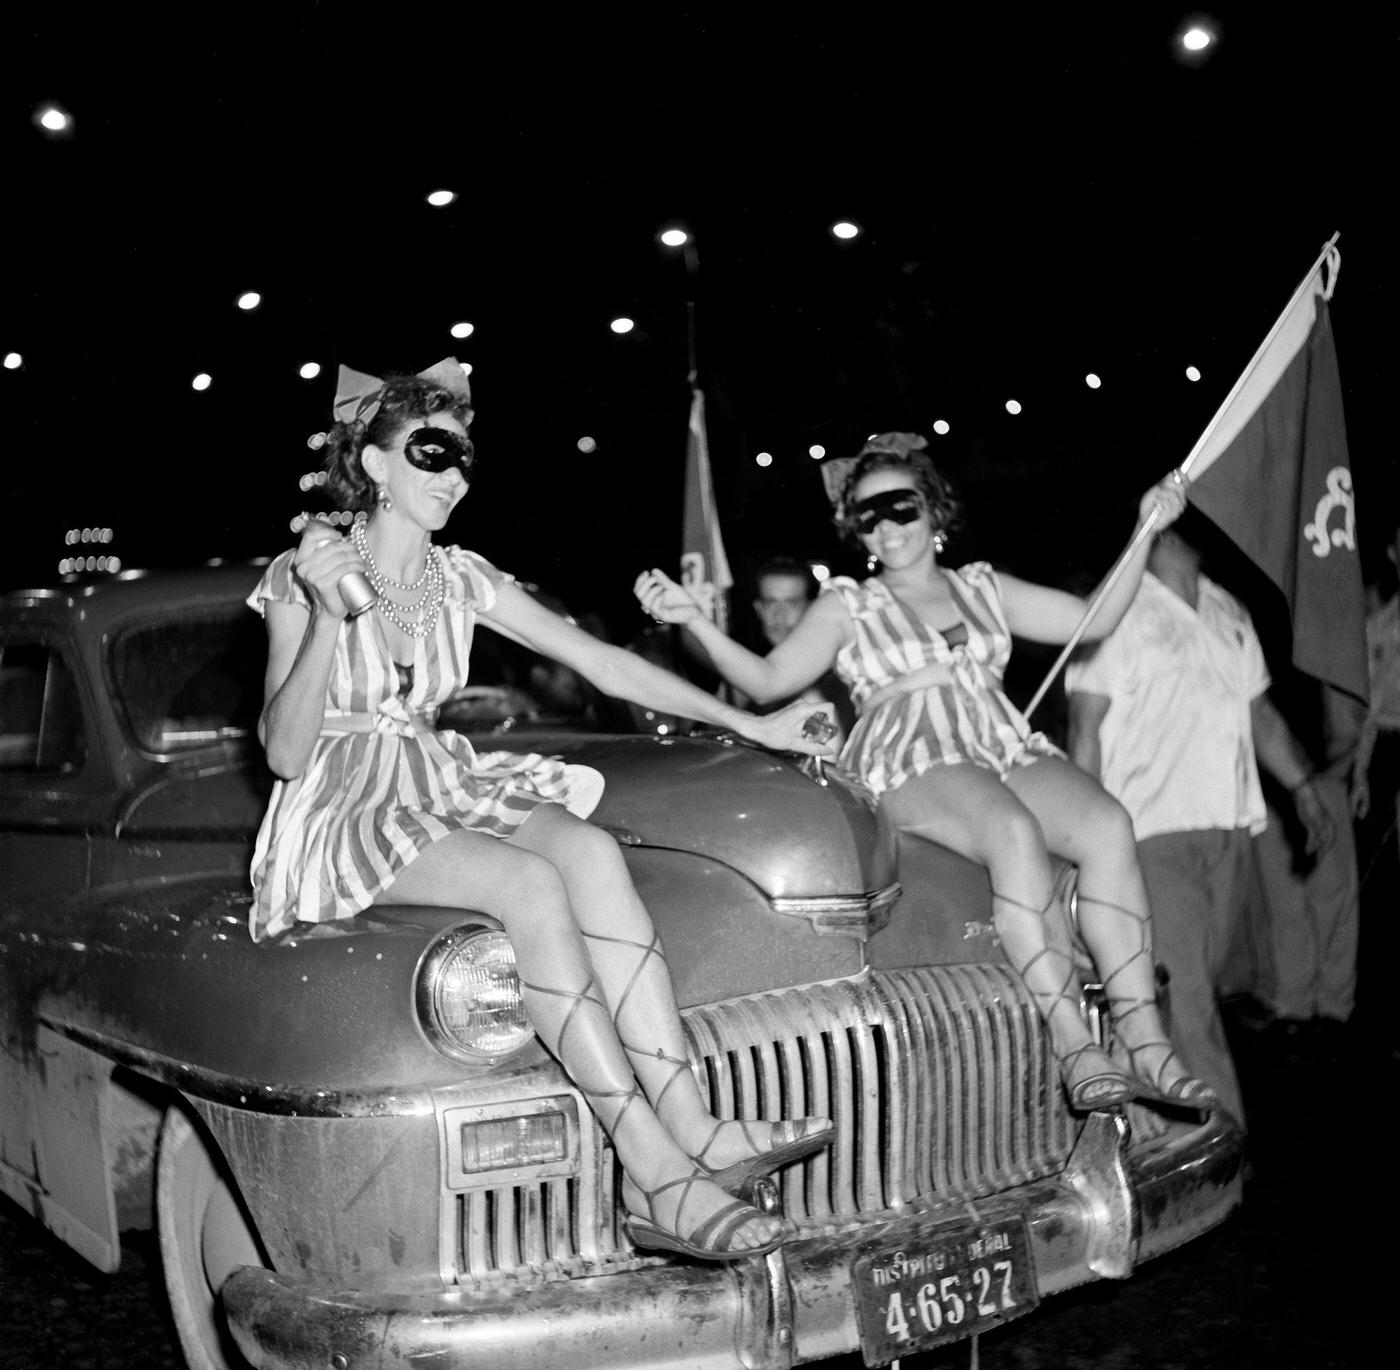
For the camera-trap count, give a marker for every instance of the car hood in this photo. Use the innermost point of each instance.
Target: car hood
(753, 810)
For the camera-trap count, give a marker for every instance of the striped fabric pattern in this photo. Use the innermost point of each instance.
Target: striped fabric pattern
(368, 802)
(969, 719)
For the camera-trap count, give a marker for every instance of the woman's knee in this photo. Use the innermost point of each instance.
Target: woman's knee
(1105, 830)
(1014, 836)
(535, 885)
(583, 851)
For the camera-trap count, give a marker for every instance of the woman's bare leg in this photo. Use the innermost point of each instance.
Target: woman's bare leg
(970, 810)
(569, 1011)
(1083, 823)
(631, 967)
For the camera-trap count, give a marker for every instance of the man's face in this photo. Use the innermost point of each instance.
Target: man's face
(781, 601)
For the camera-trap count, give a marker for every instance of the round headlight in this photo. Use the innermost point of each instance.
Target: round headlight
(469, 994)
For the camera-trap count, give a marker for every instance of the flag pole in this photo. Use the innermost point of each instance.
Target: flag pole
(1112, 579)
(1183, 471)
(1257, 357)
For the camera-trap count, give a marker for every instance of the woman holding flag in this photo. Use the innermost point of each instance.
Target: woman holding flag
(922, 648)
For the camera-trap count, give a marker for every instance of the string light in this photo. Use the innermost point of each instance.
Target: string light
(675, 237)
(764, 459)
(462, 330)
(202, 381)
(586, 445)
(13, 361)
(622, 325)
(1013, 406)
(1092, 381)
(940, 426)
(438, 198)
(309, 370)
(249, 299)
(816, 451)
(1192, 374)
(845, 230)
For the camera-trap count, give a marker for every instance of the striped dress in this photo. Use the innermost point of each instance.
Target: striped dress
(964, 717)
(381, 785)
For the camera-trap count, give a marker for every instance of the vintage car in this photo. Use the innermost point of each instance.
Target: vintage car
(354, 1150)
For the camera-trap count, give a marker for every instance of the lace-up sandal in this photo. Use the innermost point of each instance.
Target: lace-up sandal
(1050, 977)
(710, 1241)
(787, 1141)
(1110, 1088)
(1185, 1091)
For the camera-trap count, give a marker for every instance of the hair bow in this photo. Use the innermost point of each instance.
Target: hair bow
(357, 395)
(836, 472)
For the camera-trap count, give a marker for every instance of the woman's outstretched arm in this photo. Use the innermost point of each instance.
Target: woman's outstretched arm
(795, 663)
(625, 675)
(1040, 613)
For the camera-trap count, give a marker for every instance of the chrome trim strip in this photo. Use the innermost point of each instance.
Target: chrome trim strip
(279, 1101)
(840, 914)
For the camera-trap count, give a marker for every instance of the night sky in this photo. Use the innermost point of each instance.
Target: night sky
(1039, 199)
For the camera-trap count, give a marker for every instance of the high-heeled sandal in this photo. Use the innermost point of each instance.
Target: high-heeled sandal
(1105, 1088)
(1111, 1088)
(710, 1241)
(739, 1175)
(1186, 1091)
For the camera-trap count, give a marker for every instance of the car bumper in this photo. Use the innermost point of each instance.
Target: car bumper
(789, 1308)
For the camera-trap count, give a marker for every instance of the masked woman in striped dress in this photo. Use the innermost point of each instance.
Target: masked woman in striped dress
(372, 805)
(922, 649)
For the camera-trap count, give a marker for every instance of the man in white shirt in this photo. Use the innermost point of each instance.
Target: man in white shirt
(1170, 712)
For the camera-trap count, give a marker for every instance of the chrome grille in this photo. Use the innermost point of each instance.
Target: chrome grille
(940, 1081)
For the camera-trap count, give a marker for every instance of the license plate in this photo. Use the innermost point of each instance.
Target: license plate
(958, 1280)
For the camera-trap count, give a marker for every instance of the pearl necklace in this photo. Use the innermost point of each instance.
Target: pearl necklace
(430, 603)
(361, 541)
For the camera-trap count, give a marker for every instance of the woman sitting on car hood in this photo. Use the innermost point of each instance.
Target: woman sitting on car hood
(373, 805)
(922, 647)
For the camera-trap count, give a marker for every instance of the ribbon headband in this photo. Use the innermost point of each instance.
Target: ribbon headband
(835, 473)
(358, 396)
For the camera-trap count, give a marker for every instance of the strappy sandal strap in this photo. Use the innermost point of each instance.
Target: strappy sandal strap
(1142, 919)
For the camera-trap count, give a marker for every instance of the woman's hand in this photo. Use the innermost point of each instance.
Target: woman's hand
(1168, 498)
(799, 727)
(664, 599)
(322, 558)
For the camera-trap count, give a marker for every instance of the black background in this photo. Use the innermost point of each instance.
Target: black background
(1042, 195)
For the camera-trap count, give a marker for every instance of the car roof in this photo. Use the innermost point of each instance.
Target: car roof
(107, 601)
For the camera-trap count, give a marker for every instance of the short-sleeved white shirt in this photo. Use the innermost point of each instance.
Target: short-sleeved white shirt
(1177, 740)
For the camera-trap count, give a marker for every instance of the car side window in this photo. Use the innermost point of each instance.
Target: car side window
(41, 721)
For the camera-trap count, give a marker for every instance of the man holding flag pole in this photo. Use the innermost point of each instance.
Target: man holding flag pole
(1171, 710)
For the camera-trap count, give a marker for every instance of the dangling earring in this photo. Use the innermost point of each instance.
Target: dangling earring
(939, 543)
(381, 498)
(872, 564)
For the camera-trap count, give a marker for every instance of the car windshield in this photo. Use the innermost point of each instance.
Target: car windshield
(192, 678)
(196, 677)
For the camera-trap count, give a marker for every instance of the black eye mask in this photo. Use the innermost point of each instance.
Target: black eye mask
(438, 450)
(898, 506)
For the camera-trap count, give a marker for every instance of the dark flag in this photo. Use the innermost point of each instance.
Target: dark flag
(1272, 473)
(704, 567)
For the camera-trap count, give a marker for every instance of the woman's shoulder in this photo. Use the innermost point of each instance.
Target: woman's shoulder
(848, 588)
(472, 578)
(975, 573)
(279, 583)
